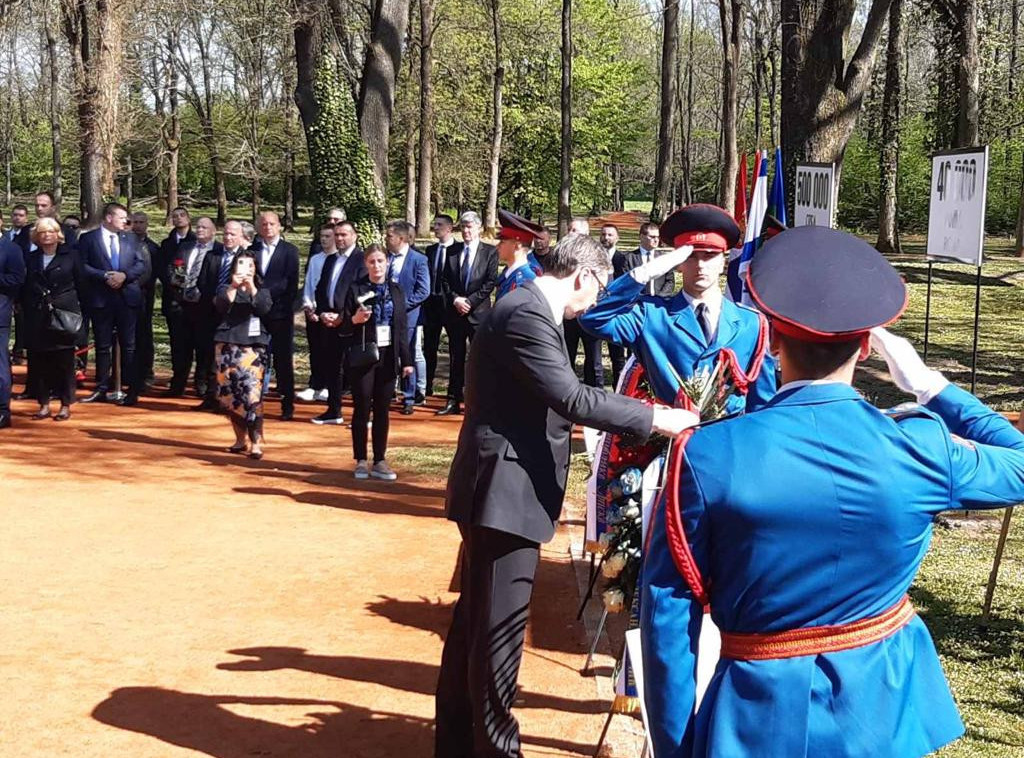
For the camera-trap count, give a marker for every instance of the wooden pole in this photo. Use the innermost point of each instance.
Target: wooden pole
(990, 591)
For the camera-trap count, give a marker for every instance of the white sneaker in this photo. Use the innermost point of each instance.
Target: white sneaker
(307, 395)
(381, 470)
(322, 396)
(362, 472)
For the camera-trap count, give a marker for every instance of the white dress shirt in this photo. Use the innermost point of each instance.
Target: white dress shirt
(267, 252)
(398, 260)
(713, 302)
(313, 272)
(339, 266)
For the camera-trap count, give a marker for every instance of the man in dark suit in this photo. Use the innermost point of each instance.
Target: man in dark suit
(470, 276)
(19, 220)
(169, 265)
(12, 277)
(144, 352)
(507, 483)
(610, 242)
(434, 307)
(202, 277)
(46, 207)
(334, 216)
(593, 366)
(113, 268)
(339, 272)
(411, 272)
(650, 235)
(278, 261)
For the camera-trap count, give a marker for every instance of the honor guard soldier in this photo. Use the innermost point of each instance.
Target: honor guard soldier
(676, 337)
(803, 525)
(515, 239)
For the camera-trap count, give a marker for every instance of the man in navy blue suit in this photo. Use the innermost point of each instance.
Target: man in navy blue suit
(113, 267)
(278, 261)
(12, 276)
(410, 270)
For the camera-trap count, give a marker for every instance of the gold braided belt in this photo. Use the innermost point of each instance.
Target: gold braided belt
(817, 639)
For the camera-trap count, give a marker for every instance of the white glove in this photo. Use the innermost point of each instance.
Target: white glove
(661, 264)
(908, 370)
(672, 421)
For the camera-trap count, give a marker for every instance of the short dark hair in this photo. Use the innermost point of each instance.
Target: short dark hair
(647, 226)
(53, 200)
(328, 226)
(403, 229)
(349, 224)
(374, 247)
(576, 251)
(19, 207)
(181, 208)
(609, 226)
(446, 218)
(814, 360)
(111, 207)
(76, 218)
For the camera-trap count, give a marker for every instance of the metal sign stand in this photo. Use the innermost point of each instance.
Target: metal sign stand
(115, 392)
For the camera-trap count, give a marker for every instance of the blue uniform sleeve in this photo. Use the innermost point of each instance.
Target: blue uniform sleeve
(987, 462)
(617, 317)
(764, 387)
(670, 623)
(421, 285)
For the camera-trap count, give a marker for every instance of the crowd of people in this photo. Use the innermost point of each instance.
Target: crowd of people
(374, 315)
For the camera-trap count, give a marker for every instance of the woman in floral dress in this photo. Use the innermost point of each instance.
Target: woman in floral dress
(240, 353)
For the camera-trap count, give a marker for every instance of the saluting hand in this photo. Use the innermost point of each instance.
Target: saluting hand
(908, 371)
(661, 264)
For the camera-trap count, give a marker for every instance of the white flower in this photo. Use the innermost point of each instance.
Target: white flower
(614, 600)
(613, 565)
(630, 512)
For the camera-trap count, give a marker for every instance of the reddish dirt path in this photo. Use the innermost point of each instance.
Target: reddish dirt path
(161, 597)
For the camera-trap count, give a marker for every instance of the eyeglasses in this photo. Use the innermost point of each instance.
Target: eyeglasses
(602, 288)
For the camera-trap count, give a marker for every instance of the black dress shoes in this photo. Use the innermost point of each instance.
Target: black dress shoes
(451, 409)
(41, 414)
(206, 405)
(407, 409)
(99, 396)
(63, 414)
(287, 412)
(174, 392)
(129, 400)
(419, 399)
(5, 420)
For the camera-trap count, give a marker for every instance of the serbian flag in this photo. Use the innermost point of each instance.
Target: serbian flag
(740, 258)
(740, 211)
(777, 203)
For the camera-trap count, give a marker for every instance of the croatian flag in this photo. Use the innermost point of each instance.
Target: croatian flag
(740, 257)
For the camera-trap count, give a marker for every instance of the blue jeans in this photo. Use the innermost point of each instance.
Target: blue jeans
(418, 381)
(5, 368)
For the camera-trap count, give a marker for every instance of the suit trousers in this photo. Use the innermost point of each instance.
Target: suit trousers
(5, 368)
(104, 321)
(334, 366)
(480, 662)
(460, 336)
(417, 382)
(317, 335)
(282, 351)
(144, 349)
(593, 367)
(192, 341)
(53, 373)
(617, 353)
(433, 322)
(373, 388)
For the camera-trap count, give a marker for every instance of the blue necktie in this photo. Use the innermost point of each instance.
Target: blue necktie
(115, 253)
(465, 268)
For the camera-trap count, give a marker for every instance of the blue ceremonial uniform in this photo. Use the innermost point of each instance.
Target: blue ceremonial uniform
(665, 335)
(511, 280)
(827, 525)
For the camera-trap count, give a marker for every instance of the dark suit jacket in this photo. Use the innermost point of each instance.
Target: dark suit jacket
(414, 280)
(355, 268)
(95, 264)
(522, 398)
(664, 286)
(150, 252)
(436, 270)
(281, 278)
(12, 277)
(62, 279)
(169, 249)
(483, 278)
(204, 310)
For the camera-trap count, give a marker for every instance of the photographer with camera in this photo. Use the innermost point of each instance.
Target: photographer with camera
(376, 315)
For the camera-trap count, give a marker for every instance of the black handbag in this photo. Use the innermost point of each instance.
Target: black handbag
(363, 355)
(62, 326)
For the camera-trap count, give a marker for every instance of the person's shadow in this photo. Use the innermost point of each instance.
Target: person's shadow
(207, 724)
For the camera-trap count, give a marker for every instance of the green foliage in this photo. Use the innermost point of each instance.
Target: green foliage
(340, 165)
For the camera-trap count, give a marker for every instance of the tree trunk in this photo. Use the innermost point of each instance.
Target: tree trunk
(129, 183)
(254, 184)
(730, 14)
(888, 168)
(389, 21)
(822, 87)
(410, 176)
(666, 115)
(172, 136)
(968, 74)
(688, 139)
(425, 173)
(55, 141)
(491, 212)
(565, 184)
